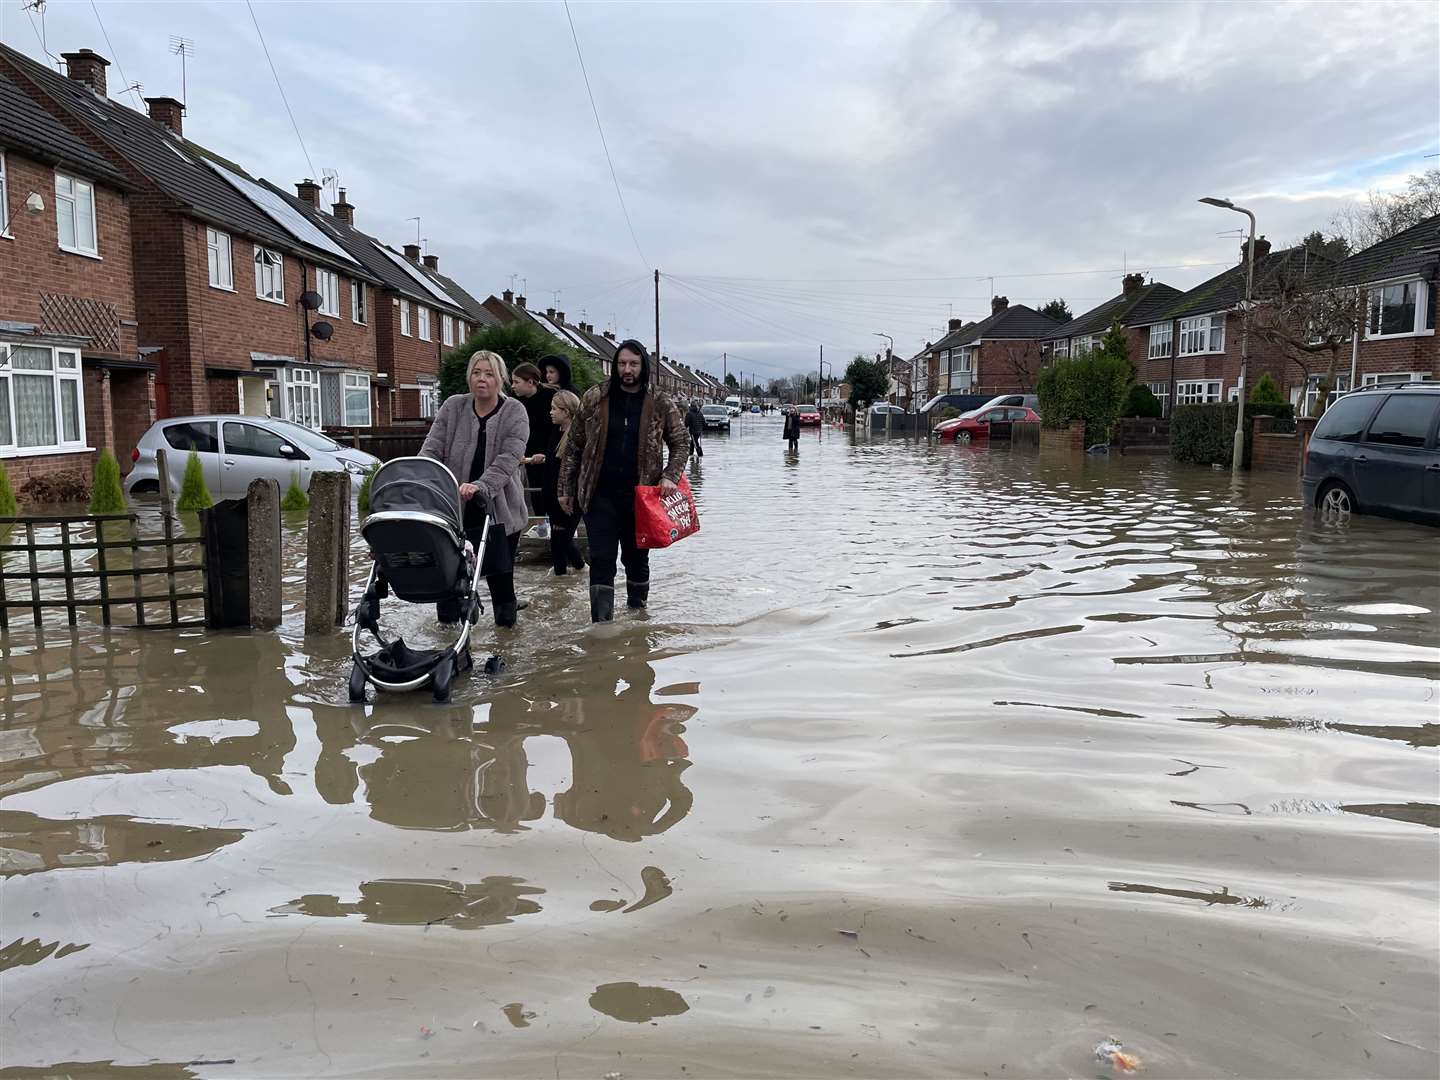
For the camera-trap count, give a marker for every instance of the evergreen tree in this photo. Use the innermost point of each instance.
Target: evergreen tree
(194, 495)
(107, 496)
(1058, 310)
(516, 342)
(868, 381)
(1265, 392)
(295, 497)
(8, 504)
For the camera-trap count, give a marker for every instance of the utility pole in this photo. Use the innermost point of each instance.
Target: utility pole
(657, 316)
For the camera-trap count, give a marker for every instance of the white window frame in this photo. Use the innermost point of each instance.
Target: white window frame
(350, 382)
(275, 270)
(1393, 378)
(302, 397)
(59, 374)
(4, 202)
(1303, 398)
(1202, 334)
(327, 284)
(1162, 336)
(405, 318)
(1062, 349)
(1373, 311)
(447, 330)
(1198, 391)
(464, 331)
(429, 399)
(220, 260)
(70, 202)
(357, 303)
(422, 322)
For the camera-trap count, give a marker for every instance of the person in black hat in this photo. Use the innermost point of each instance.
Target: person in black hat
(557, 373)
(620, 440)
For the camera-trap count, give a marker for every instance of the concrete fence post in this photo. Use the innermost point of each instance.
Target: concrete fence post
(167, 499)
(263, 521)
(327, 552)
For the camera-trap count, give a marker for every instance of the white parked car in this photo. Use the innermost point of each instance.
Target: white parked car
(234, 450)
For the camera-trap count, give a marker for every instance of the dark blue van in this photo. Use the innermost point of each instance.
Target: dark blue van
(1375, 452)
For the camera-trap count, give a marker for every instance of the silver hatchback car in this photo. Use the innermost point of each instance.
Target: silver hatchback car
(233, 450)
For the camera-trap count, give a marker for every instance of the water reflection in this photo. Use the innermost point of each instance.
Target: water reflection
(20, 953)
(1224, 896)
(447, 771)
(426, 902)
(637, 1004)
(30, 843)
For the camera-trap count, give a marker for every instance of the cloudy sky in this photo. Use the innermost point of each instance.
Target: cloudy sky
(801, 174)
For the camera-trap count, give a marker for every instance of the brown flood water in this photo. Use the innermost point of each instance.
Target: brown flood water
(925, 762)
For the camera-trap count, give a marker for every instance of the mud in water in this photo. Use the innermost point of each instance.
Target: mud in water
(925, 761)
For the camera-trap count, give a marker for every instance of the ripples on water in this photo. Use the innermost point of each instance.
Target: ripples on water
(926, 761)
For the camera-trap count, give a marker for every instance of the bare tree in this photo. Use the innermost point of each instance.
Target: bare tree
(1381, 216)
(1309, 319)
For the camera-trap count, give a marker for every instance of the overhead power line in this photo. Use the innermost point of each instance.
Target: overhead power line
(129, 86)
(261, 35)
(601, 129)
(972, 277)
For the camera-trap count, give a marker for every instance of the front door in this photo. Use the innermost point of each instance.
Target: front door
(252, 452)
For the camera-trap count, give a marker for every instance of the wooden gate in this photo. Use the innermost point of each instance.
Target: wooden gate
(74, 538)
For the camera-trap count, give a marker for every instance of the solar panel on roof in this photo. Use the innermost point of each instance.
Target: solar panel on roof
(282, 213)
(420, 279)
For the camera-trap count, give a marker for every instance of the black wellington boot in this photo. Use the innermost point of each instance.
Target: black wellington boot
(602, 603)
(637, 594)
(505, 613)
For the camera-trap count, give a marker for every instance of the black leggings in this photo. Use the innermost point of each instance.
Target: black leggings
(501, 584)
(564, 551)
(610, 525)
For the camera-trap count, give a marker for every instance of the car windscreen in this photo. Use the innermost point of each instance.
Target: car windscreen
(305, 437)
(808, 410)
(715, 410)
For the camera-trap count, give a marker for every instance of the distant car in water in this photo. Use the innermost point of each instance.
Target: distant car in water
(733, 404)
(1029, 401)
(755, 409)
(809, 415)
(974, 426)
(883, 407)
(233, 450)
(715, 416)
(1377, 451)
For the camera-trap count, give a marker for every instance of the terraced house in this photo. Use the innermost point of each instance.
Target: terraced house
(1137, 303)
(230, 283)
(997, 355)
(72, 381)
(1400, 279)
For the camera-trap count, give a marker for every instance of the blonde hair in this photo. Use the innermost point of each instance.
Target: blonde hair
(497, 365)
(569, 402)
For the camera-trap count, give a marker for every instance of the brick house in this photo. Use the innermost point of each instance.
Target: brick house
(1190, 351)
(1401, 282)
(997, 355)
(1138, 302)
(475, 311)
(72, 381)
(508, 307)
(204, 231)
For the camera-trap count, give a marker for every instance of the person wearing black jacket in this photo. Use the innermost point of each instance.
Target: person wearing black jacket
(695, 424)
(564, 551)
(525, 384)
(792, 429)
(557, 373)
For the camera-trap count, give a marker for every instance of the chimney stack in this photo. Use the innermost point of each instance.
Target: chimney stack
(520, 301)
(560, 316)
(998, 304)
(88, 67)
(412, 252)
(508, 296)
(343, 211)
(955, 324)
(167, 111)
(550, 312)
(1262, 248)
(1133, 283)
(609, 335)
(432, 262)
(309, 192)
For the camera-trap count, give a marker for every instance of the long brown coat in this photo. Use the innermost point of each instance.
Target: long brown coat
(661, 426)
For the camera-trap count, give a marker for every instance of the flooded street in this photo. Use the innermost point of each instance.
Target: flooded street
(925, 761)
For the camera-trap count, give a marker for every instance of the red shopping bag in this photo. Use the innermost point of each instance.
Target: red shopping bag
(660, 520)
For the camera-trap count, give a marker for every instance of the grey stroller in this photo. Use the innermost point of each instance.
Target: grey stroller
(416, 534)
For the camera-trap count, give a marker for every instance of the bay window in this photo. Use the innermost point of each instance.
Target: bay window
(75, 214)
(1161, 390)
(357, 400)
(42, 401)
(1160, 339)
(1406, 307)
(1062, 349)
(327, 284)
(1202, 334)
(302, 397)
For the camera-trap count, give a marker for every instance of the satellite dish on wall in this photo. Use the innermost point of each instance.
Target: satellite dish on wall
(322, 331)
(310, 300)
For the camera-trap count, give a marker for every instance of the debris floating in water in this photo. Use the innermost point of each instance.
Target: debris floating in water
(1114, 1054)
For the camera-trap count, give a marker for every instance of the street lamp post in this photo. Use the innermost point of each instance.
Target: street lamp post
(1238, 452)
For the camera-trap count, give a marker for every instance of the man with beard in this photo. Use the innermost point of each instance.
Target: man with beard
(620, 440)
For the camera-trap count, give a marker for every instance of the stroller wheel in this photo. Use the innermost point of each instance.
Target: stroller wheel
(494, 666)
(444, 672)
(357, 683)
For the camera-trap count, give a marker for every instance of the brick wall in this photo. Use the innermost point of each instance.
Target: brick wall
(1420, 353)
(1007, 367)
(1272, 452)
(32, 264)
(133, 395)
(22, 469)
(404, 358)
(1069, 440)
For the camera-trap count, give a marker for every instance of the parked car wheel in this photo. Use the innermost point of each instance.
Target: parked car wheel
(962, 436)
(1335, 500)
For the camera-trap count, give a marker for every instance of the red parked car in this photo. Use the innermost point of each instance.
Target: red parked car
(808, 414)
(974, 426)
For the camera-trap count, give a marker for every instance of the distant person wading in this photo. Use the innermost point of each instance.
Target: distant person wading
(695, 424)
(480, 437)
(620, 440)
